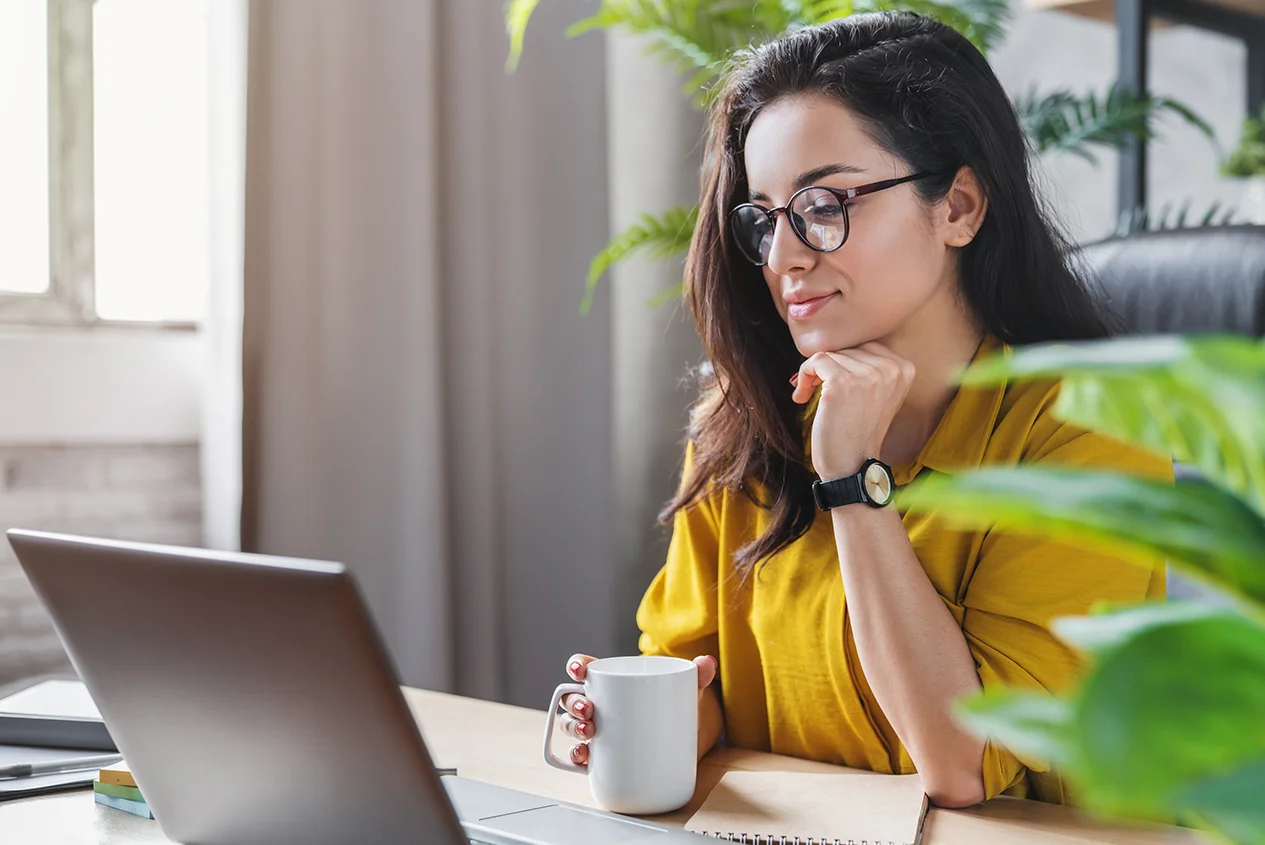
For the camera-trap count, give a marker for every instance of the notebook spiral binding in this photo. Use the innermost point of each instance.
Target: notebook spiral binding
(775, 839)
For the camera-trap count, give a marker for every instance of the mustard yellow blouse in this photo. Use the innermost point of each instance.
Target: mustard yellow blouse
(790, 678)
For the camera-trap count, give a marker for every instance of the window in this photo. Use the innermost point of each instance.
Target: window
(105, 213)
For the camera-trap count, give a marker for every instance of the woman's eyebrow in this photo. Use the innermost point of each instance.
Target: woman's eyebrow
(808, 177)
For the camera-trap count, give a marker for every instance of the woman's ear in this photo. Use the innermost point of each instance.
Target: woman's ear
(963, 209)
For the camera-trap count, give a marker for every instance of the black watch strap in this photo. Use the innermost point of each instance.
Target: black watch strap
(837, 493)
(850, 490)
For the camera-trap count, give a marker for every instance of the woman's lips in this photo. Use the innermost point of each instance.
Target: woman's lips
(807, 308)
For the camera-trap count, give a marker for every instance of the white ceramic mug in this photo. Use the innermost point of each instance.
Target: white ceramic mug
(644, 756)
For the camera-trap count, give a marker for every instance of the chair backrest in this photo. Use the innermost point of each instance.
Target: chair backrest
(1183, 281)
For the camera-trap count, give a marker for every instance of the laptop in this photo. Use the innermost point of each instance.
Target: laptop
(254, 701)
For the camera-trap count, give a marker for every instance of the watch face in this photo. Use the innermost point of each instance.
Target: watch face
(878, 484)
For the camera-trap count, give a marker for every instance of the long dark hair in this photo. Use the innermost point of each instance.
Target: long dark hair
(927, 95)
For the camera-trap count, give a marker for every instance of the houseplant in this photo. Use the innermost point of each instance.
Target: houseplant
(1247, 161)
(1169, 719)
(699, 37)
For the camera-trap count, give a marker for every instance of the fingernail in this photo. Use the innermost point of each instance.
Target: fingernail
(575, 666)
(582, 729)
(580, 707)
(795, 380)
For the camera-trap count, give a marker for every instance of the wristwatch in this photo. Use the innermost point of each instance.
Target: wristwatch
(873, 485)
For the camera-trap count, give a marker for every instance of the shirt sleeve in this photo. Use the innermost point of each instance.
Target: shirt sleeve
(678, 614)
(1022, 582)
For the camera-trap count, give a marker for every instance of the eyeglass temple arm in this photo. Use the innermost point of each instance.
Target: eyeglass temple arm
(873, 187)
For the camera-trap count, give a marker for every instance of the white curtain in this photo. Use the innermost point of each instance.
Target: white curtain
(422, 399)
(221, 454)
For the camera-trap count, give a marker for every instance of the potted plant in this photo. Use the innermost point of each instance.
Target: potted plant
(1169, 719)
(1247, 161)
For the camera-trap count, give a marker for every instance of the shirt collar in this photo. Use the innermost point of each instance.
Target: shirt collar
(961, 437)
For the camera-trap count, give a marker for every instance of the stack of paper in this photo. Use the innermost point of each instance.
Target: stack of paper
(115, 787)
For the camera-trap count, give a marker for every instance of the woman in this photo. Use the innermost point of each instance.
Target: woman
(867, 229)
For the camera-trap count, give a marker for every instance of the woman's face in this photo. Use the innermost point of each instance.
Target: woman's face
(895, 258)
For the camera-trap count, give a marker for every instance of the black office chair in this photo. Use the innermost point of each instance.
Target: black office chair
(1183, 281)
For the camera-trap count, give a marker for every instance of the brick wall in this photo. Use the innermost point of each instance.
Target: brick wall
(146, 493)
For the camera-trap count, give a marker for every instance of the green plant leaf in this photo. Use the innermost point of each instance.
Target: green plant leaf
(1167, 721)
(671, 294)
(1199, 399)
(1231, 803)
(983, 22)
(1063, 121)
(696, 37)
(1034, 723)
(1248, 158)
(1108, 630)
(517, 14)
(659, 237)
(1176, 705)
(1139, 219)
(1193, 524)
(823, 11)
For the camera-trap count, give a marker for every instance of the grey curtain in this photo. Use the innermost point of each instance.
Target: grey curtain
(421, 398)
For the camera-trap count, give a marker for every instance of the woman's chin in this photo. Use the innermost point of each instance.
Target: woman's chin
(810, 342)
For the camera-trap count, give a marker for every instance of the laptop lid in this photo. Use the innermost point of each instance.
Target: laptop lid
(251, 696)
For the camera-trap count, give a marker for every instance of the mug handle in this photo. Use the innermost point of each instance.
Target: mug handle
(551, 758)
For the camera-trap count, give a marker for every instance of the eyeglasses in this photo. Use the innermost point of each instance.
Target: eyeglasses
(819, 218)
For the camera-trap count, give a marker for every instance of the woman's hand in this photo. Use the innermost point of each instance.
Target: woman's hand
(861, 391)
(580, 722)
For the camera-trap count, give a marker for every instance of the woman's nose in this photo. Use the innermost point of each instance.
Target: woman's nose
(787, 253)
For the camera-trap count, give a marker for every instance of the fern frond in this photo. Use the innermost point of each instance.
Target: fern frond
(983, 22)
(1141, 219)
(698, 32)
(1063, 121)
(517, 14)
(696, 37)
(821, 11)
(667, 295)
(658, 237)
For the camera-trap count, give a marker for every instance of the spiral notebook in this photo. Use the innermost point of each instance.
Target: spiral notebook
(812, 809)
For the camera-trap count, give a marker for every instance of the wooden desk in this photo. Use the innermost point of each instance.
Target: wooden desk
(500, 744)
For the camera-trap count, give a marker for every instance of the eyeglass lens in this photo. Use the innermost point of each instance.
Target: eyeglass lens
(816, 215)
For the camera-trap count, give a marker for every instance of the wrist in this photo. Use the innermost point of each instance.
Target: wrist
(845, 466)
(872, 485)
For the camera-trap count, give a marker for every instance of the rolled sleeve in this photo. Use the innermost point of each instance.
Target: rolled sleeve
(1022, 583)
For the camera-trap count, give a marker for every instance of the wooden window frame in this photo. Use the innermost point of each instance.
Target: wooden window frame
(70, 300)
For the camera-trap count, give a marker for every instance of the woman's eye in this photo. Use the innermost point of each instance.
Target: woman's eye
(827, 210)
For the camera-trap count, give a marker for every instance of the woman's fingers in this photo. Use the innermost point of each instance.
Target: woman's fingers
(818, 369)
(580, 754)
(883, 359)
(706, 671)
(872, 366)
(576, 666)
(577, 728)
(577, 705)
(873, 357)
(579, 719)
